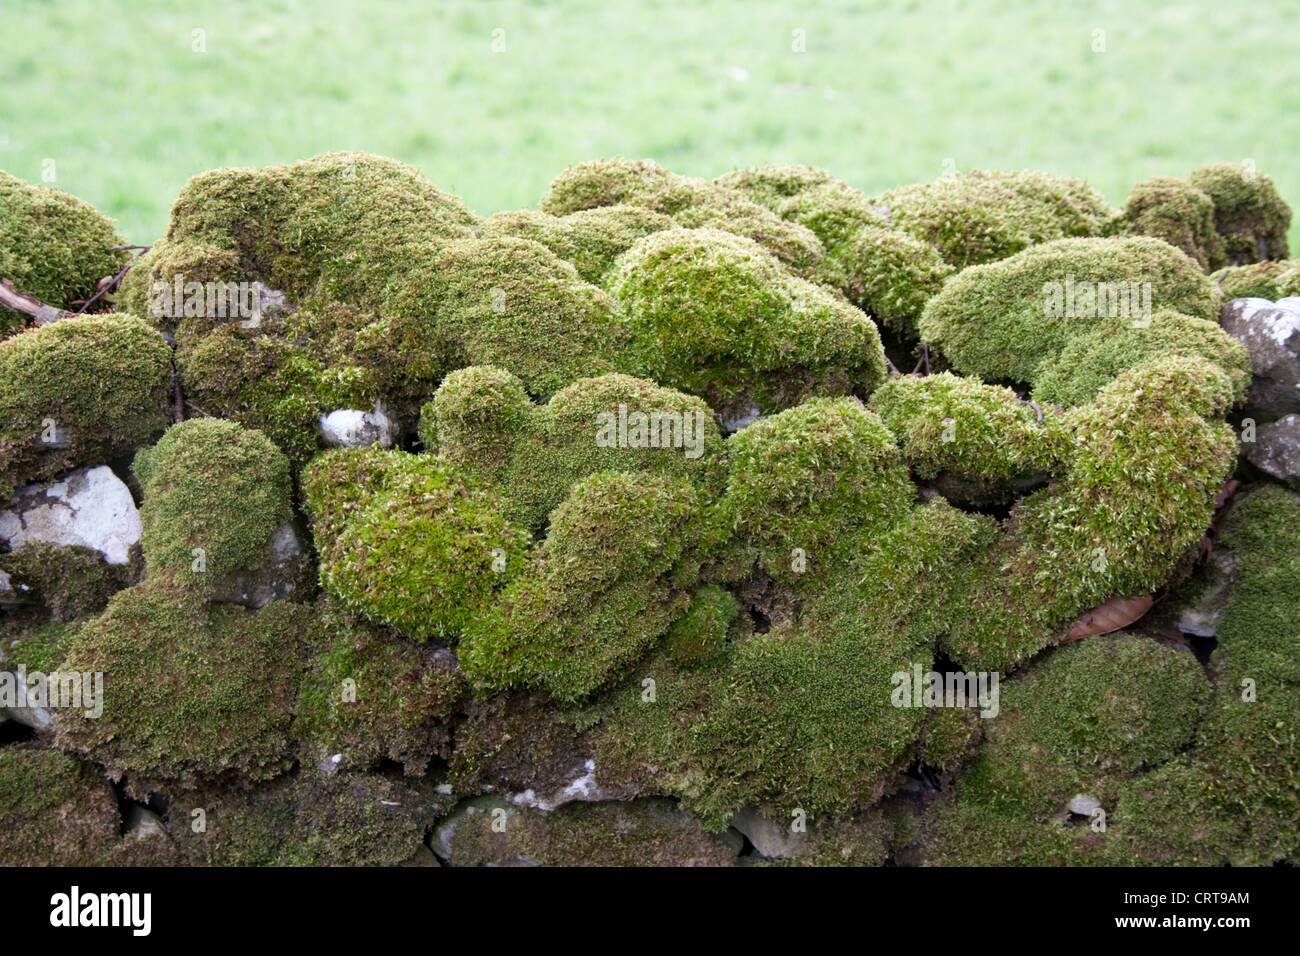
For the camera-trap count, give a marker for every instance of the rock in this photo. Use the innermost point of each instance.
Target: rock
(90, 507)
(286, 569)
(770, 839)
(1083, 805)
(582, 788)
(1200, 617)
(1272, 336)
(1291, 303)
(1276, 451)
(490, 832)
(350, 428)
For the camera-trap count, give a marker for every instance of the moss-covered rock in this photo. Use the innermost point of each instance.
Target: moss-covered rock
(980, 217)
(602, 182)
(53, 245)
(481, 420)
(214, 493)
(700, 634)
(70, 582)
(607, 582)
(1094, 359)
(1260, 280)
(369, 694)
(190, 691)
(54, 810)
(79, 392)
(1248, 212)
(773, 183)
(714, 315)
(409, 540)
(1177, 212)
(1001, 321)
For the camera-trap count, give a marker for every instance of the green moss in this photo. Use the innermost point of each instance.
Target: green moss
(1093, 360)
(966, 429)
(607, 582)
(70, 582)
(602, 182)
(980, 217)
(79, 392)
(360, 820)
(1262, 280)
(398, 705)
(53, 245)
(590, 239)
(712, 314)
(513, 303)
(1001, 321)
(408, 540)
(190, 691)
(481, 420)
(1248, 212)
(37, 646)
(1177, 212)
(772, 184)
(214, 493)
(54, 810)
(1117, 521)
(808, 484)
(701, 633)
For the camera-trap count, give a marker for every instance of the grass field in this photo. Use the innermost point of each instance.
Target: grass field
(117, 100)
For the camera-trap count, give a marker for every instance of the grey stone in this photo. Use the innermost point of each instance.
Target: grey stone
(1200, 616)
(352, 428)
(285, 569)
(1083, 805)
(771, 839)
(1272, 337)
(1276, 450)
(90, 507)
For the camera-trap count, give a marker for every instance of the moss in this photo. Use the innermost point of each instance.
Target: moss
(590, 239)
(37, 646)
(608, 581)
(481, 420)
(70, 582)
(808, 484)
(1248, 212)
(398, 706)
(53, 245)
(1115, 523)
(701, 633)
(712, 314)
(214, 494)
(190, 691)
(408, 540)
(950, 737)
(772, 184)
(1001, 321)
(887, 272)
(966, 429)
(54, 811)
(79, 392)
(1179, 213)
(360, 820)
(1083, 719)
(1262, 280)
(1093, 360)
(513, 303)
(602, 182)
(980, 217)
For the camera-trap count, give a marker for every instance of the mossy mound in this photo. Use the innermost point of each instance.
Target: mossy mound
(1179, 213)
(590, 239)
(409, 540)
(1260, 280)
(712, 314)
(772, 184)
(607, 582)
(79, 392)
(481, 420)
(1079, 723)
(53, 246)
(54, 810)
(1002, 321)
(602, 182)
(980, 217)
(1248, 212)
(214, 493)
(191, 691)
(69, 582)
(370, 694)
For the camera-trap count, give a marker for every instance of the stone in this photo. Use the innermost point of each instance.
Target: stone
(770, 839)
(1083, 805)
(1200, 616)
(1272, 336)
(1276, 451)
(285, 570)
(351, 428)
(91, 507)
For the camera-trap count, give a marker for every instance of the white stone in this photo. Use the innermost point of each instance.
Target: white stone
(352, 428)
(91, 507)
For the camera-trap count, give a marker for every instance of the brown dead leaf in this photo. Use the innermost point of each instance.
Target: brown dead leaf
(1115, 614)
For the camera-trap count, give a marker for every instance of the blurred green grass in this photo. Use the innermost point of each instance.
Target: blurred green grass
(113, 92)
